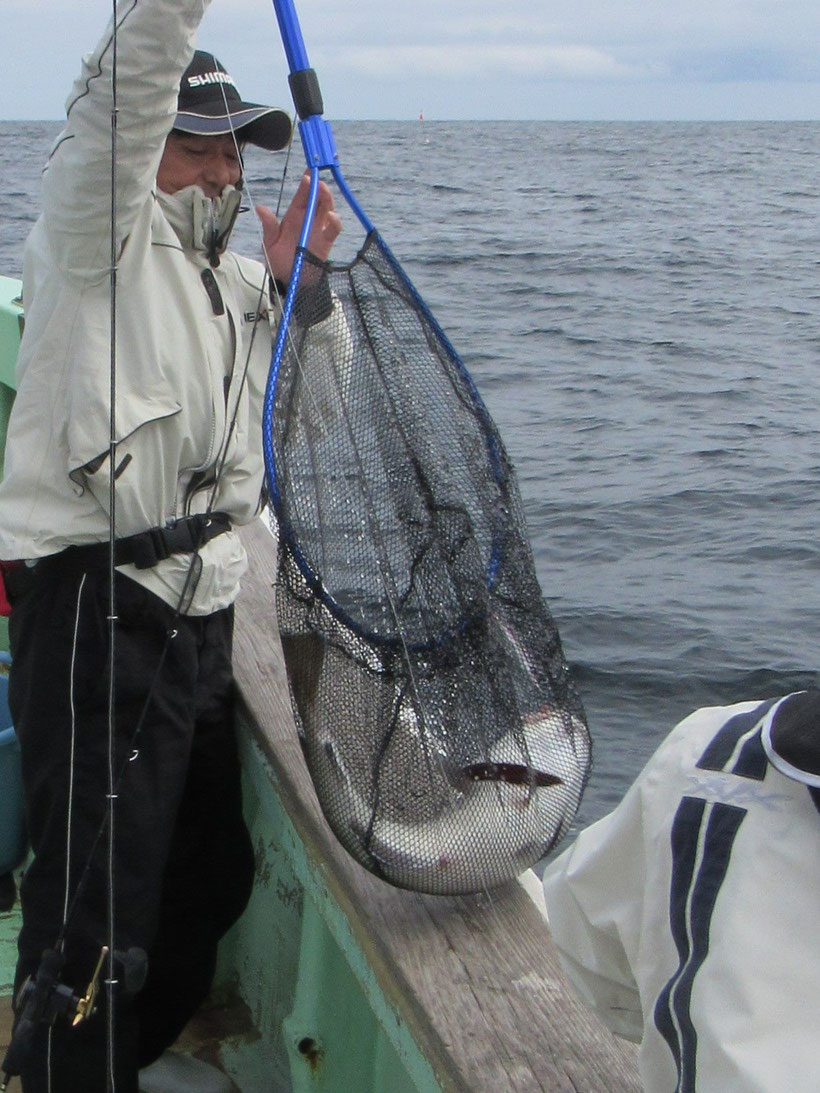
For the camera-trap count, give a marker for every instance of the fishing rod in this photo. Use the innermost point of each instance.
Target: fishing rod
(43, 999)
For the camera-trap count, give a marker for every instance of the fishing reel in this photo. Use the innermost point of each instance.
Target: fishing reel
(44, 1000)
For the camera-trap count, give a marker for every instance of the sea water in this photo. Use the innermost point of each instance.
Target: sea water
(639, 306)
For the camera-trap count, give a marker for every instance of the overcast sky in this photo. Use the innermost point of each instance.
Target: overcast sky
(577, 59)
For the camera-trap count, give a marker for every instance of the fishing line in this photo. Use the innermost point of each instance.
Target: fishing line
(260, 310)
(112, 596)
(274, 282)
(72, 746)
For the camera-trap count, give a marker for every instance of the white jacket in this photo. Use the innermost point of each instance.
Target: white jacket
(687, 918)
(180, 366)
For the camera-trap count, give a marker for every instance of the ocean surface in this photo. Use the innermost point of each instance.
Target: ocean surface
(639, 305)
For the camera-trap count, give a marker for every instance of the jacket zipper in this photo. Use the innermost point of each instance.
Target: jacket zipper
(204, 479)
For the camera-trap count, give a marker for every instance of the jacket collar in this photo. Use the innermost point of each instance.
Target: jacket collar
(201, 223)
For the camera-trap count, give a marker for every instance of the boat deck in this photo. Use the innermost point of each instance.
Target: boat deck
(5, 1022)
(204, 1036)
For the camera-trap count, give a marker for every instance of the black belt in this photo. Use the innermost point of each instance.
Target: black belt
(146, 548)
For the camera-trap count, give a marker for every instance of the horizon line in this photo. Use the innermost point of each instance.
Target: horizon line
(520, 121)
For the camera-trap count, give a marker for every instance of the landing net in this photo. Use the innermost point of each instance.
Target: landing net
(445, 740)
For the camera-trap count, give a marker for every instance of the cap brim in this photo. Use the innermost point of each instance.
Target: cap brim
(262, 125)
(790, 735)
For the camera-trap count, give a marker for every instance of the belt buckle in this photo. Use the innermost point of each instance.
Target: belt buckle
(149, 548)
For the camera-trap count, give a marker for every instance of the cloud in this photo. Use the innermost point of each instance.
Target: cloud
(752, 63)
(472, 61)
(477, 57)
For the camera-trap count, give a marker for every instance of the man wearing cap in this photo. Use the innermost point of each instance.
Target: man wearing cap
(192, 350)
(686, 917)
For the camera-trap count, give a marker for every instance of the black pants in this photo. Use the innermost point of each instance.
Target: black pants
(182, 861)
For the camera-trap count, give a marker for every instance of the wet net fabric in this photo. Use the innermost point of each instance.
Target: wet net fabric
(446, 743)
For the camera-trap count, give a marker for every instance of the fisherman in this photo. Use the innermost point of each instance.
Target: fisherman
(188, 365)
(684, 918)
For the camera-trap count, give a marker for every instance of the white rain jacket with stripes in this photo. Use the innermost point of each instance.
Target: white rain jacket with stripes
(181, 345)
(686, 918)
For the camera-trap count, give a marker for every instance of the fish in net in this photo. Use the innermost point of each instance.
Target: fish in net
(444, 737)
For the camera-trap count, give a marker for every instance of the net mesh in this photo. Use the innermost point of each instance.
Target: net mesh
(446, 742)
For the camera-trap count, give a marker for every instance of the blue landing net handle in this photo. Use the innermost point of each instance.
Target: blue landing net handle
(320, 154)
(317, 136)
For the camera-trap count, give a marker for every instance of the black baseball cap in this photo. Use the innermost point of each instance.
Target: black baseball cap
(210, 105)
(791, 736)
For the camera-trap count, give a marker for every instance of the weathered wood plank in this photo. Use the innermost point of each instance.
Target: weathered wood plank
(476, 977)
(6, 1021)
